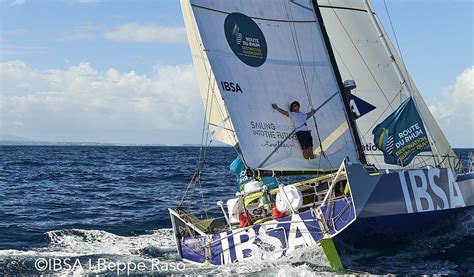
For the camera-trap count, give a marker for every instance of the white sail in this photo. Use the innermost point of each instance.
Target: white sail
(265, 52)
(217, 117)
(361, 56)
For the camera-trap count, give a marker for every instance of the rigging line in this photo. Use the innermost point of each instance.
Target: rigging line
(407, 79)
(209, 73)
(297, 50)
(215, 125)
(199, 181)
(221, 109)
(224, 114)
(386, 45)
(206, 147)
(303, 74)
(366, 153)
(321, 85)
(358, 52)
(381, 114)
(207, 110)
(398, 45)
(203, 149)
(186, 191)
(195, 173)
(342, 60)
(300, 5)
(338, 78)
(427, 159)
(420, 155)
(207, 114)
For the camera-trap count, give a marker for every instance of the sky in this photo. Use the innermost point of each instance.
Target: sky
(121, 71)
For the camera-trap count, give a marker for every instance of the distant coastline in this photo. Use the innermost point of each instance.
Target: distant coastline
(6, 140)
(62, 143)
(59, 143)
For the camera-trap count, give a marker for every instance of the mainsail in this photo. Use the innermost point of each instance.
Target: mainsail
(361, 56)
(263, 52)
(217, 117)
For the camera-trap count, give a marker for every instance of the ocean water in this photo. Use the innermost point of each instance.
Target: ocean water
(103, 210)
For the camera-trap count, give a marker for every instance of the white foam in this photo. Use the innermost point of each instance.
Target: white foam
(160, 244)
(310, 259)
(81, 244)
(78, 242)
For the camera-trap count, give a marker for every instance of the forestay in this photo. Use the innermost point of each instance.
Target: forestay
(267, 51)
(361, 56)
(217, 117)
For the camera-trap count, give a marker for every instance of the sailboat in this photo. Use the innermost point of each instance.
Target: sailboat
(383, 168)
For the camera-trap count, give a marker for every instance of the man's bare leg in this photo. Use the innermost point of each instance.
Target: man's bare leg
(305, 154)
(310, 153)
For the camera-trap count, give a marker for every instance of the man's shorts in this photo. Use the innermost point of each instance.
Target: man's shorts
(305, 139)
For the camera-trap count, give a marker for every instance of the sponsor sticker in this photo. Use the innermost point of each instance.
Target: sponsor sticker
(245, 39)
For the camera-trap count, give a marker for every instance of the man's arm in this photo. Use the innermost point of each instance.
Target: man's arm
(310, 114)
(282, 111)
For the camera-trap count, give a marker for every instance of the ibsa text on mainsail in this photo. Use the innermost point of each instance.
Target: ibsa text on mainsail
(231, 86)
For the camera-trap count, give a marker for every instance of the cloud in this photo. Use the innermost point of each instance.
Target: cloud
(82, 31)
(126, 33)
(86, 2)
(13, 49)
(77, 36)
(135, 32)
(82, 100)
(453, 108)
(17, 3)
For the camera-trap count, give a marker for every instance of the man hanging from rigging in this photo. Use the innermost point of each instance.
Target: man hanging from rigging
(303, 133)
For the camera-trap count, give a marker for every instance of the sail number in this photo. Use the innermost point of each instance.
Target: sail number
(231, 86)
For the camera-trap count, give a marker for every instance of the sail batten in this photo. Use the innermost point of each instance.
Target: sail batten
(255, 17)
(257, 55)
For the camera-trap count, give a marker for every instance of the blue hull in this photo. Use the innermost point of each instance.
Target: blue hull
(396, 206)
(393, 229)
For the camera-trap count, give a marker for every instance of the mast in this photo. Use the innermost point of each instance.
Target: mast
(337, 73)
(398, 72)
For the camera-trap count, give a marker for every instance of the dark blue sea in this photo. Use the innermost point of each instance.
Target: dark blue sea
(90, 209)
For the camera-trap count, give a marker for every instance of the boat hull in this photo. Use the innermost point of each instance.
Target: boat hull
(382, 209)
(374, 232)
(396, 206)
(269, 240)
